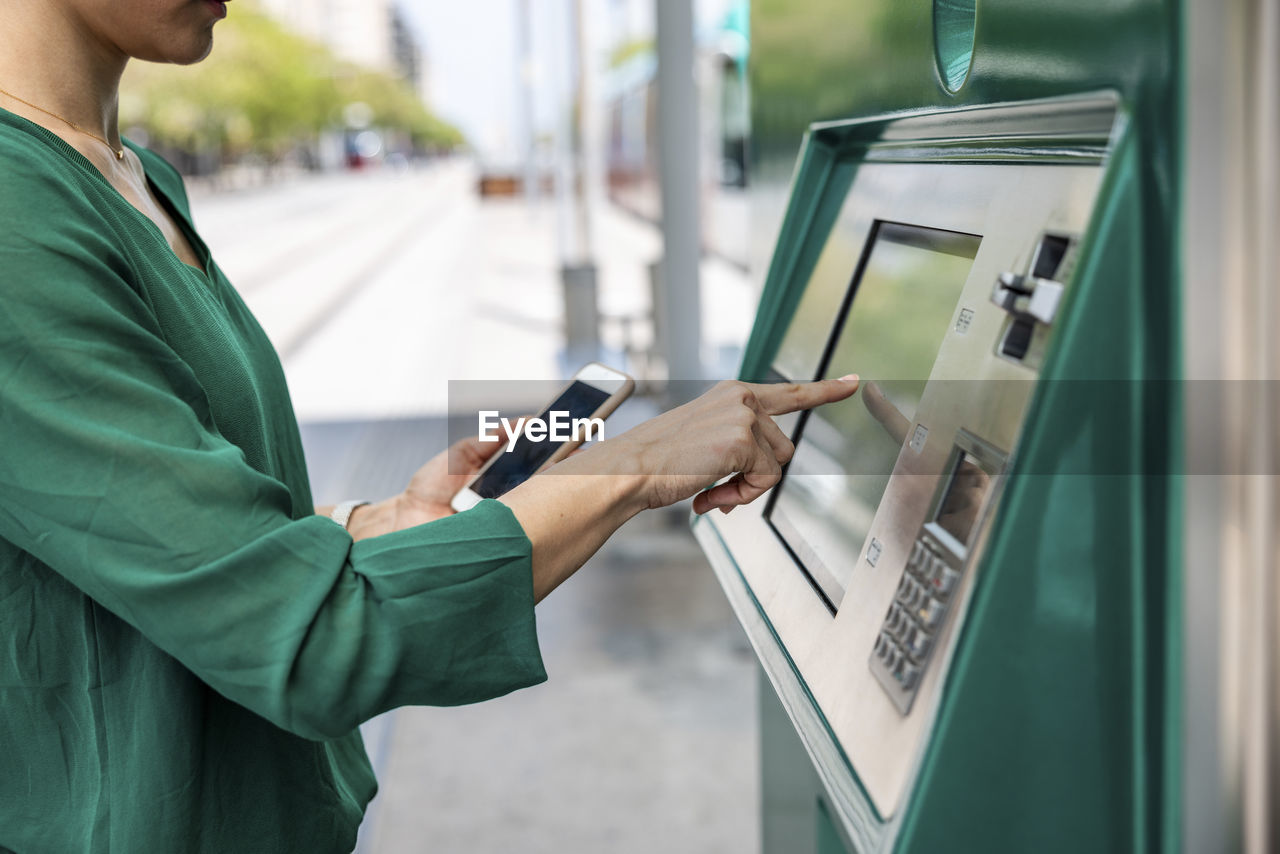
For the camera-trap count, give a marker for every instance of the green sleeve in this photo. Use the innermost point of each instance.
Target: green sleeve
(115, 475)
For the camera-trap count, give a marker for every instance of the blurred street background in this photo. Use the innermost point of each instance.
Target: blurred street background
(409, 192)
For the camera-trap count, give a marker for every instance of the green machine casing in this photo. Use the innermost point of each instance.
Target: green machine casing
(1055, 727)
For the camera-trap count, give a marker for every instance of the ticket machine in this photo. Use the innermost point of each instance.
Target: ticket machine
(963, 591)
(944, 250)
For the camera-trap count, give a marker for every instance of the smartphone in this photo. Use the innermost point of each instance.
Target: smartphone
(592, 395)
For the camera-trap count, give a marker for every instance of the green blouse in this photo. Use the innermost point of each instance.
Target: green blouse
(186, 650)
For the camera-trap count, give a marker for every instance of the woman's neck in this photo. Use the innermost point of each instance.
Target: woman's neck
(51, 58)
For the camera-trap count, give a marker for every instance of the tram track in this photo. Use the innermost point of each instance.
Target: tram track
(397, 241)
(324, 241)
(279, 263)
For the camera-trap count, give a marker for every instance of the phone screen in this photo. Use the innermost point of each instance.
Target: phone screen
(513, 467)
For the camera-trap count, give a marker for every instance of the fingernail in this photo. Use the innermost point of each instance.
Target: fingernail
(849, 378)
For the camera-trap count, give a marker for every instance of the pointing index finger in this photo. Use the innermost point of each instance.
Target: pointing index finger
(780, 398)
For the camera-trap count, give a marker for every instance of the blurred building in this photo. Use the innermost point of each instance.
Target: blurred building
(407, 60)
(371, 33)
(630, 93)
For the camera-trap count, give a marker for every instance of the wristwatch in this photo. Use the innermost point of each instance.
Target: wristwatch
(342, 512)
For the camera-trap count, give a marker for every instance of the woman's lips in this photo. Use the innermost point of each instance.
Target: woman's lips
(219, 8)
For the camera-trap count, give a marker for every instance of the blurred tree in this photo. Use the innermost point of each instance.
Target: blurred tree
(267, 91)
(829, 59)
(629, 50)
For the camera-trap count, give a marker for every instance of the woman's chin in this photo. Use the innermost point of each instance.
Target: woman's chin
(187, 52)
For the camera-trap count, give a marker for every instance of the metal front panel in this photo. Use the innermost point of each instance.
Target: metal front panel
(971, 388)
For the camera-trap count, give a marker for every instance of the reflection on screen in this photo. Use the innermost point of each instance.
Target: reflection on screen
(903, 305)
(515, 466)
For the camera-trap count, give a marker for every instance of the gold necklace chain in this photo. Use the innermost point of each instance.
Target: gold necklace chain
(118, 152)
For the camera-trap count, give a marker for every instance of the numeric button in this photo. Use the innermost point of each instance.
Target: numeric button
(904, 587)
(931, 613)
(946, 580)
(896, 619)
(919, 556)
(907, 674)
(881, 647)
(918, 643)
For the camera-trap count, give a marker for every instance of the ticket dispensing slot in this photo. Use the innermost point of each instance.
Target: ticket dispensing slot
(1033, 297)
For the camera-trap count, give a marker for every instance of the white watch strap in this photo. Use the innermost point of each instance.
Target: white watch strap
(342, 512)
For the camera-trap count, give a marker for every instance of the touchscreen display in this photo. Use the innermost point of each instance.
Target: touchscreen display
(516, 466)
(892, 324)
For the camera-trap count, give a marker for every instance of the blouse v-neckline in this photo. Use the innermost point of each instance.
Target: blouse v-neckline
(180, 220)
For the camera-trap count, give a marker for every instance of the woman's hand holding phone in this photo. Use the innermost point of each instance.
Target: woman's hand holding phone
(429, 492)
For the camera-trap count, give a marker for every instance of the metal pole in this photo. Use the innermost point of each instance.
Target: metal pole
(578, 273)
(678, 309)
(581, 133)
(1231, 663)
(524, 71)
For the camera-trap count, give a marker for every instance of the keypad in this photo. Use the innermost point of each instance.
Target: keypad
(916, 615)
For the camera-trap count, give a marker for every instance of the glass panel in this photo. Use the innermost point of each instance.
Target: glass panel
(903, 305)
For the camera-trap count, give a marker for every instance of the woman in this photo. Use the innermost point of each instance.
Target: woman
(186, 645)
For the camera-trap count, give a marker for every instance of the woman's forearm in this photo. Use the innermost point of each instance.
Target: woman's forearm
(568, 513)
